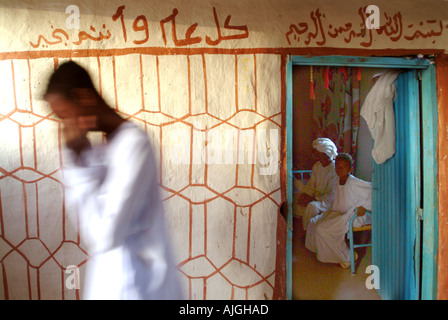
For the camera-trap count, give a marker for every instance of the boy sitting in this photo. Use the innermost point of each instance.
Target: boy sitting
(326, 232)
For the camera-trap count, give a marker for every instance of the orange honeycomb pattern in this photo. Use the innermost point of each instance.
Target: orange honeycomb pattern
(222, 217)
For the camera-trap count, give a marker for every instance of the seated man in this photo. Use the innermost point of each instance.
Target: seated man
(317, 195)
(326, 232)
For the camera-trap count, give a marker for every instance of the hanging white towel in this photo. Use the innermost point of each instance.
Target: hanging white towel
(378, 111)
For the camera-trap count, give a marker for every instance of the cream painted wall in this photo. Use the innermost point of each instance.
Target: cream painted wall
(251, 24)
(213, 81)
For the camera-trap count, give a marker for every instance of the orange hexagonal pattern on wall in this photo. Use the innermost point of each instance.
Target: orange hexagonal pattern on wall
(222, 217)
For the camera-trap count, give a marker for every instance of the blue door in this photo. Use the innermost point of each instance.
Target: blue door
(396, 187)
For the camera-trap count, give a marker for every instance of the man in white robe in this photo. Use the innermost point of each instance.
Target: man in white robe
(317, 195)
(326, 233)
(115, 190)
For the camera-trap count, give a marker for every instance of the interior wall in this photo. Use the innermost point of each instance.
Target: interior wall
(364, 166)
(214, 218)
(303, 111)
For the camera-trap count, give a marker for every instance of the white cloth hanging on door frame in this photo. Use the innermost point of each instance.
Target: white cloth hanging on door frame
(378, 111)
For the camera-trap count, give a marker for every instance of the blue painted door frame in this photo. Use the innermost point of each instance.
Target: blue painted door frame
(429, 168)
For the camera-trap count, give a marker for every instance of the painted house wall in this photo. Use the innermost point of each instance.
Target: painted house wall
(188, 73)
(442, 100)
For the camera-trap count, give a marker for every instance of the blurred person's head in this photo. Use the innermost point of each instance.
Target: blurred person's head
(72, 95)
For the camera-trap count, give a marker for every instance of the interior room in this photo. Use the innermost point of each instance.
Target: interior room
(327, 101)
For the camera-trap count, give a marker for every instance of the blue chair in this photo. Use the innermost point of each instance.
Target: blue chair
(351, 230)
(303, 173)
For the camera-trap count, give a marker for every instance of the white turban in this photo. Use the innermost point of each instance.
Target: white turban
(325, 145)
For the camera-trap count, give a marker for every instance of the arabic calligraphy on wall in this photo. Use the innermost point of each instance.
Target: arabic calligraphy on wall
(140, 28)
(392, 27)
(319, 29)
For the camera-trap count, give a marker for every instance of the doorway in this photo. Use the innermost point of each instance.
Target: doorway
(412, 284)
